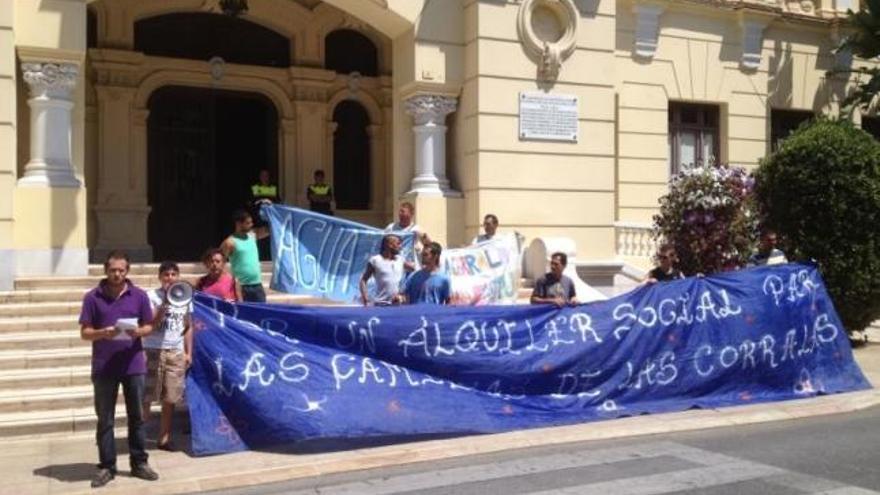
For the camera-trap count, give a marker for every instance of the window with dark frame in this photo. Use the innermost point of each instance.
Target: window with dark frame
(693, 135)
(784, 122)
(871, 125)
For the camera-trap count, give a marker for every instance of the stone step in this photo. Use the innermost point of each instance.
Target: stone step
(68, 422)
(192, 267)
(60, 340)
(48, 297)
(24, 309)
(27, 379)
(45, 399)
(34, 315)
(42, 296)
(89, 281)
(45, 358)
(38, 323)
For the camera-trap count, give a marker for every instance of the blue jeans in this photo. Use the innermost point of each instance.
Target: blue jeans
(253, 293)
(106, 391)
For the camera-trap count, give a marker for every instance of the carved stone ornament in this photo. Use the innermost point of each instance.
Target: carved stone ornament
(50, 79)
(551, 46)
(647, 29)
(354, 82)
(752, 43)
(430, 109)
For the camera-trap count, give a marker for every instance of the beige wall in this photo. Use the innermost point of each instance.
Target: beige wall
(539, 188)
(698, 60)
(49, 228)
(464, 48)
(7, 124)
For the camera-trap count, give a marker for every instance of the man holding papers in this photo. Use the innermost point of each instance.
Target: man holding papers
(115, 315)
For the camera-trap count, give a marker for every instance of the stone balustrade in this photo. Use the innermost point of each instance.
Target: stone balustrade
(634, 239)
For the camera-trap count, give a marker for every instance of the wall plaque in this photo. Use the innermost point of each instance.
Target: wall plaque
(550, 117)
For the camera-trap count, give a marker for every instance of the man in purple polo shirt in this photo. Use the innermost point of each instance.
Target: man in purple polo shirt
(115, 315)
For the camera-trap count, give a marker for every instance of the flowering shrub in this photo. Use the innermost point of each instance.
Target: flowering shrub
(709, 216)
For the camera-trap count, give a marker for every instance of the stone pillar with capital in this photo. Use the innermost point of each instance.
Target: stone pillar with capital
(429, 115)
(49, 199)
(439, 208)
(51, 101)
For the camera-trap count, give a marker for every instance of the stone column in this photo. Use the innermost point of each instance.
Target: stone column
(49, 200)
(311, 145)
(287, 164)
(51, 87)
(121, 207)
(377, 169)
(330, 128)
(429, 113)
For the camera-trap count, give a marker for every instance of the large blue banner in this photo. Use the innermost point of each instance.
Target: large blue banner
(320, 255)
(267, 374)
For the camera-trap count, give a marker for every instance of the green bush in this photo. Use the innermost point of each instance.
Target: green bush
(708, 216)
(821, 192)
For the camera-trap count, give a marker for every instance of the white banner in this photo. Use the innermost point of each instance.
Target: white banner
(485, 273)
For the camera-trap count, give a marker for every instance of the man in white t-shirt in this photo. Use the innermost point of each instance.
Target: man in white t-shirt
(388, 269)
(169, 352)
(406, 223)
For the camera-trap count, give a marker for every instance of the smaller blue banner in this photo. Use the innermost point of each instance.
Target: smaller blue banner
(320, 255)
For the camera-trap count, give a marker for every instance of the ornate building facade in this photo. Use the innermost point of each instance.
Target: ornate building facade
(139, 124)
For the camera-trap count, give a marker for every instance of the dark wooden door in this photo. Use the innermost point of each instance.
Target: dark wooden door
(205, 148)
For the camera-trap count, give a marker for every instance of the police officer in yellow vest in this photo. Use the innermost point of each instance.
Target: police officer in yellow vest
(263, 192)
(320, 195)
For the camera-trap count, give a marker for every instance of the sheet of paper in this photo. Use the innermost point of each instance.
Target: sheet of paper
(125, 325)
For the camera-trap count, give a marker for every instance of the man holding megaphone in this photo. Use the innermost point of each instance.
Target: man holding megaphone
(168, 347)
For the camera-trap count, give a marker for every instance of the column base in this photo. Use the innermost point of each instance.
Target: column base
(137, 254)
(440, 216)
(123, 228)
(431, 186)
(49, 232)
(43, 174)
(66, 261)
(7, 269)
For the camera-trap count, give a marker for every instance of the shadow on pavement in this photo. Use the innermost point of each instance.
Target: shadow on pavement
(68, 473)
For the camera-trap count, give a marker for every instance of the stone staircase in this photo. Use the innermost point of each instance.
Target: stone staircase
(45, 387)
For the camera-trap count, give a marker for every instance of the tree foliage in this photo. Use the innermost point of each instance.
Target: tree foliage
(709, 217)
(863, 42)
(821, 192)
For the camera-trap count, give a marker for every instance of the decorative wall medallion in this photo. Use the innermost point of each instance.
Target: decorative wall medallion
(548, 31)
(218, 68)
(354, 82)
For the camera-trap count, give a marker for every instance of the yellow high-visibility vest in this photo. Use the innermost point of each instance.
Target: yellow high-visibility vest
(262, 191)
(319, 190)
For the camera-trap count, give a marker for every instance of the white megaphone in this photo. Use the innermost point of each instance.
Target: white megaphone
(179, 294)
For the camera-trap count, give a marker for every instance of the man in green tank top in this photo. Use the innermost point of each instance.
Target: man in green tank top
(244, 256)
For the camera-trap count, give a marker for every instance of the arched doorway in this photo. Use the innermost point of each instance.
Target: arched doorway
(205, 148)
(351, 156)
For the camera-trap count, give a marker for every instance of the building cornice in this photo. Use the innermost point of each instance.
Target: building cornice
(804, 13)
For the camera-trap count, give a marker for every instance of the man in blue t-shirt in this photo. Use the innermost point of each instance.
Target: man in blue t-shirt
(428, 285)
